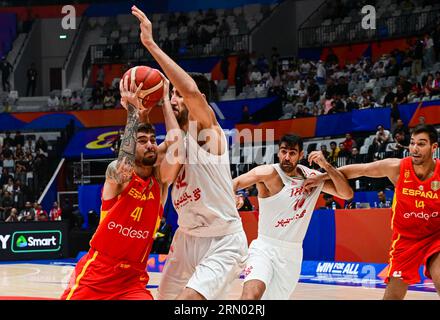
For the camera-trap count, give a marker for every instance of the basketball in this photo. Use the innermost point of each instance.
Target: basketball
(152, 89)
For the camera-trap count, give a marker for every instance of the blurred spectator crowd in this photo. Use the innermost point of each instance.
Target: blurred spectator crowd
(23, 173)
(309, 88)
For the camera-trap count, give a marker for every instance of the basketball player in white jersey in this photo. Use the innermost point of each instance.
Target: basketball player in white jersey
(209, 248)
(274, 265)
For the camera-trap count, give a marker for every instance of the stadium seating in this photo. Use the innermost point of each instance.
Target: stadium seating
(393, 19)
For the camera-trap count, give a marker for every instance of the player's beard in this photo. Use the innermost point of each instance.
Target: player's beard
(182, 118)
(149, 161)
(288, 167)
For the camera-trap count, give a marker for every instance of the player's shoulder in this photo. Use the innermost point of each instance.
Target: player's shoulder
(112, 165)
(392, 163)
(264, 169)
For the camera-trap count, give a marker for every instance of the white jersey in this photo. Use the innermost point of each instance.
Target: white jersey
(203, 193)
(286, 215)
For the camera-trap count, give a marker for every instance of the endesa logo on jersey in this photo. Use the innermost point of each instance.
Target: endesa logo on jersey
(36, 241)
(420, 215)
(128, 232)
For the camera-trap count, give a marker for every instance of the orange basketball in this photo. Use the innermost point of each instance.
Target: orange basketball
(152, 88)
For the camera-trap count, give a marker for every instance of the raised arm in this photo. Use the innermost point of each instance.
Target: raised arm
(172, 149)
(120, 171)
(195, 100)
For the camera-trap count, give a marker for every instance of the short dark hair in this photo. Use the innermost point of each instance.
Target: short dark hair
(146, 128)
(333, 143)
(205, 86)
(429, 129)
(292, 140)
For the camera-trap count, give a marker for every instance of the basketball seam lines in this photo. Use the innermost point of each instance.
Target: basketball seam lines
(144, 93)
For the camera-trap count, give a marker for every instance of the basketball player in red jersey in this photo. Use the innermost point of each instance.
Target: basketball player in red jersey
(415, 212)
(132, 198)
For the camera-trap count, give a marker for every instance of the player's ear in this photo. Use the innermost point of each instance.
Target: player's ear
(301, 155)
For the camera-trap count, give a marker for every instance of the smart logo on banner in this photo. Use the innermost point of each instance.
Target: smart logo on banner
(36, 241)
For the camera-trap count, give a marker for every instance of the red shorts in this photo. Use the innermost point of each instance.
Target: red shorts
(97, 277)
(407, 255)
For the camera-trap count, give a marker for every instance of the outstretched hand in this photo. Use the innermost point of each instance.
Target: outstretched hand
(130, 96)
(145, 25)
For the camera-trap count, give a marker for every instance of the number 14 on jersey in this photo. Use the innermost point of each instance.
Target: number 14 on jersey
(420, 204)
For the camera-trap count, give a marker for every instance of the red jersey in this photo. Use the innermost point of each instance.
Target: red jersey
(128, 221)
(416, 203)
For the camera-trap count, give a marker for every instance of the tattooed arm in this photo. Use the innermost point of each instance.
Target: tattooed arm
(127, 151)
(120, 171)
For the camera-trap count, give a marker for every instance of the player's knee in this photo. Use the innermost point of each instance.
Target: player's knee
(253, 292)
(251, 295)
(434, 269)
(435, 275)
(396, 290)
(191, 294)
(394, 295)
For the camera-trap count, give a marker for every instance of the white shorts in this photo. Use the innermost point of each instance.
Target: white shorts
(207, 265)
(276, 263)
